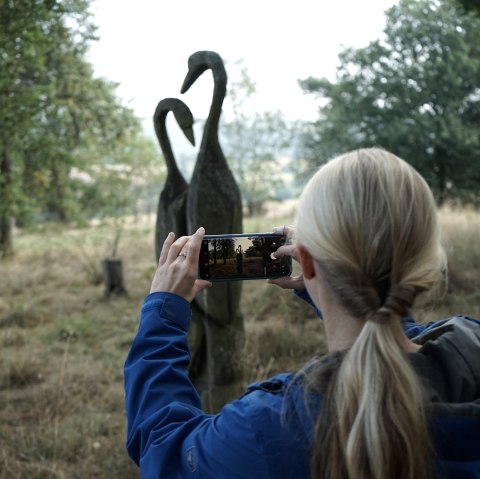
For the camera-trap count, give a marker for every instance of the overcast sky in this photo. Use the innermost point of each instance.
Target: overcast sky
(145, 44)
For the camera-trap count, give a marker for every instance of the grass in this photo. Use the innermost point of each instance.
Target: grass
(62, 345)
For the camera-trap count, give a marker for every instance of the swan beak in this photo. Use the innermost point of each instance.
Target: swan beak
(188, 82)
(192, 75)
(189, 134)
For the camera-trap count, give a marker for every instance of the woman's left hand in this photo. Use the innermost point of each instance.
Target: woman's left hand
(287, 282)
(178, 266)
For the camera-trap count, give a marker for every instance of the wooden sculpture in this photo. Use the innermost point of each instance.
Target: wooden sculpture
(171, 211)
(214, 201)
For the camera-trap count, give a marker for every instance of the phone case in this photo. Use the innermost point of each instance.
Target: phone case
(246, 256)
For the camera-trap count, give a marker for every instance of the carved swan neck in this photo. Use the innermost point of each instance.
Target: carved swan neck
(184, 119)
(219, 92)
(198, 63)
(165, 145)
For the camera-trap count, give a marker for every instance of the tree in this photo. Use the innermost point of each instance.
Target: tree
(124, 182)
(30, 32)
(253, 144)
(470, 5)
(415, 92)
(54, 114)
(26, 38)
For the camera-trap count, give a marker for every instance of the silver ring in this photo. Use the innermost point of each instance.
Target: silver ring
(182, 254)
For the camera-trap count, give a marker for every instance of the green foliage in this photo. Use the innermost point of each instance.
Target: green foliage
(58, 119)
(35, 51)
(124, 179)
(470, 5)
(415, 92)
(253, 144)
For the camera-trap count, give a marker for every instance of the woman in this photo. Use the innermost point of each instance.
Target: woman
(378, 405)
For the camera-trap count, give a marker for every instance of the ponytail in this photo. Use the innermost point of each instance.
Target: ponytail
(377, 425)
(369, 221)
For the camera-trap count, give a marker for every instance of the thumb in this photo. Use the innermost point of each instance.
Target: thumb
(201, 284)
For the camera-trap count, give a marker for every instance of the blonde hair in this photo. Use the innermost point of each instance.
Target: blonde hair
(369, 220)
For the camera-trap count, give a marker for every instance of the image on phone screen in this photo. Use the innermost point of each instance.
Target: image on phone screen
(243, 256)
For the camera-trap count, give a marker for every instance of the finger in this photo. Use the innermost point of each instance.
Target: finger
(166, 247)
(176, 248)
(286, 230)
(194, 246)
(288, 282)
(198, 286)
(282, 282)
(201, 284)
(286, 250)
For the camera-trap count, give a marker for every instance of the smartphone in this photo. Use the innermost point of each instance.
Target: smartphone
(233, 257)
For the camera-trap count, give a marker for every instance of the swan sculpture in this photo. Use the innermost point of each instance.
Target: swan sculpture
(171, 211)
(214, 201)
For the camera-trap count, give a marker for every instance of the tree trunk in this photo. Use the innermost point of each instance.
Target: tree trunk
(441, 156)
(113, 277)
(6, 220)
(56, 203)
(6, 237)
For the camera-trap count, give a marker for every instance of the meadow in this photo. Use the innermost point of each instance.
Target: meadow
(63, 345)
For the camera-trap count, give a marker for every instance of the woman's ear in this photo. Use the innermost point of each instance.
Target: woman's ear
(306, 262)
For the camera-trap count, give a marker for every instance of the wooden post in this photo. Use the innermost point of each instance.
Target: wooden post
(113, 277)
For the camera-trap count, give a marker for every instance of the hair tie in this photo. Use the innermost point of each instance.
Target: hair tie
(400, 299)
(381, 316)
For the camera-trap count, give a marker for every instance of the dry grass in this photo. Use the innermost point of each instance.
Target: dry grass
(461, 294)
(62, 345)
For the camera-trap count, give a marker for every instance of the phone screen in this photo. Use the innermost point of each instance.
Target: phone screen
(242, 256)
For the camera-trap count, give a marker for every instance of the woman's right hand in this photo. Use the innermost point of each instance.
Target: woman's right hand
(178, 266)
(287, 282)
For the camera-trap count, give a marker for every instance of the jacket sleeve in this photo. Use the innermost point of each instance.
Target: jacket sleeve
(168, 435)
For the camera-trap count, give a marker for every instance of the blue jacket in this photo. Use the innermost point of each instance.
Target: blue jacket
(267, 433)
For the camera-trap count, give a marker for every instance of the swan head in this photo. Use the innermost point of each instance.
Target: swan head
(182, 113)
(198, 63)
